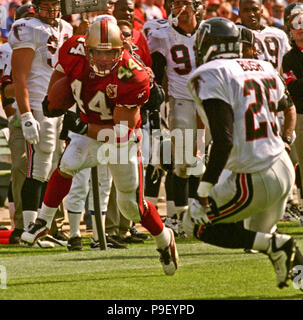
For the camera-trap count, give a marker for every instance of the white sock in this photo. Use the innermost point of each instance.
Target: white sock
(74, 219)
(153, 200)
(163, 239)
(28, 218)
(170, 208)
(47, 214)
(263, 241)
(94, 225)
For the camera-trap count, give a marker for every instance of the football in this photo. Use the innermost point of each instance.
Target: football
(60, 95)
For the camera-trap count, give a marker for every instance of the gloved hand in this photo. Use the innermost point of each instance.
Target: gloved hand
(195, 215)
(30, 128)
(73, 123)
(198, 213)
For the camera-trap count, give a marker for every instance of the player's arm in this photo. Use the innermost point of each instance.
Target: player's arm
(21, 65)
(220, 118)
(290, 117)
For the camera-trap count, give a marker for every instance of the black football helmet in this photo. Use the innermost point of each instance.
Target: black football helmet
(248, 39)
(24, 11)
(217, 38)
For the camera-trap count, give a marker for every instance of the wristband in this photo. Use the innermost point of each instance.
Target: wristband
(204, 188)
(26, 116)
(288, 140)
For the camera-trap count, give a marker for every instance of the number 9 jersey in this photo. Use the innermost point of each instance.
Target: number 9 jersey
(127, 85)
(253, 89)
(177, 48)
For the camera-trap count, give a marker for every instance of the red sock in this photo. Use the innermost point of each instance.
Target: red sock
(151, 220)
(57, 188)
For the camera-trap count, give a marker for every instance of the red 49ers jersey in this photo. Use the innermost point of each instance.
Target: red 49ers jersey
(126, 86)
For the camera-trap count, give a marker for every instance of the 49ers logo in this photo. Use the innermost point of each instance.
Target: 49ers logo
(111, 91)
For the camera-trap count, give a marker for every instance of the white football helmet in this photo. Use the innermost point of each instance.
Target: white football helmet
(104, 46)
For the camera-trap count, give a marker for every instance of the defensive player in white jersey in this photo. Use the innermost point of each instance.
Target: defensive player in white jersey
(171, 46)
(239, 99)
(17, 150)
(34, 42)
(271, 44)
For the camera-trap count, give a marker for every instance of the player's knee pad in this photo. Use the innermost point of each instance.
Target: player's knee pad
(73, 158)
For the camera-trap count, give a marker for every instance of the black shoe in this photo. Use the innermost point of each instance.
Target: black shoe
(134, 232)
(15, 236)
(113, 242)
(94, 244)
(60, 235)
(74, 244)
(131, 239)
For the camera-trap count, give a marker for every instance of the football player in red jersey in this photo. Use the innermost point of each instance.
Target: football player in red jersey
(109, 86)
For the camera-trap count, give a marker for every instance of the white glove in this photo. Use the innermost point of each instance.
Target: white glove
(195, 215)
(198, 213)
(30, 128)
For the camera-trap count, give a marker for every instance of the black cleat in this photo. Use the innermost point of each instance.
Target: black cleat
(74, 244)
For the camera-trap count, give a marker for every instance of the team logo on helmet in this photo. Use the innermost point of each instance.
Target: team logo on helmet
(217, 38)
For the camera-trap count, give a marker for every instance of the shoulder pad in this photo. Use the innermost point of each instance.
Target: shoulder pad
(23, 31)
(156, 28)
(133, 89)
(70, 52)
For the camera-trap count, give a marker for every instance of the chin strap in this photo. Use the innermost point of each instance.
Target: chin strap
(175, 19)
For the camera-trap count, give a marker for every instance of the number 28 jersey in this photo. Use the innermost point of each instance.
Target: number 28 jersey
(253, 89)
(126, 86)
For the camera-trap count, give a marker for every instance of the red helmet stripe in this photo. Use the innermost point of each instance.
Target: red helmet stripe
(104, 31)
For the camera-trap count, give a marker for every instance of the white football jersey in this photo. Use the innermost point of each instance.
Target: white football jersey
(178, 51)
(44, 40)
(5, 59)
(271, 45)
(253, 88)
(5, 63)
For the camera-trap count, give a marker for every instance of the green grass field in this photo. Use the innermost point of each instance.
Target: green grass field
(205, 272)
